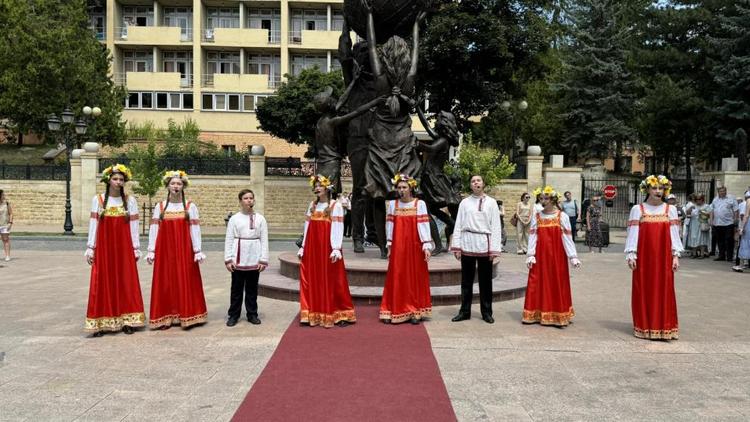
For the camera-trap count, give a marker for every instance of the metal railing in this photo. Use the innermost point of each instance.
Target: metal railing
(186, 82)
(295, 37)
(32, 172)
(274, 81)
(120, 78)
(199, 166)
(297, 167)
(207, 79)
(274, 37)
(186, 34)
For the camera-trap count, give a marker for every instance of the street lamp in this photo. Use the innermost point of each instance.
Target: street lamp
(507, 106)
(69, 131)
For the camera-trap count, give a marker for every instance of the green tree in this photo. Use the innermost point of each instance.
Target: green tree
(146, 170)
(290, 114)
(732, 73)
(597, 89)
(476, 159)
(183, 141)
(475, 53)
(51, 60)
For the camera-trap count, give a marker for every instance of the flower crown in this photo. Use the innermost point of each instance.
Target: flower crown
(547, 190)
(171, 174)
(319, 178)
(653, 181)
(117, 168)
(412, 182)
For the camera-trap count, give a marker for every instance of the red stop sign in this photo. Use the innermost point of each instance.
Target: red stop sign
(610, 192)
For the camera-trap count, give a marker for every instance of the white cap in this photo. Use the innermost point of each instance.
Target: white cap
(747, 194)
(671, 196)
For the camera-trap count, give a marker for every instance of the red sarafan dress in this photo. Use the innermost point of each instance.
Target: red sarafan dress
(324, 296)
(548, 299)
(406, 294)
(177, 287)
(115, 292)
(653, 302)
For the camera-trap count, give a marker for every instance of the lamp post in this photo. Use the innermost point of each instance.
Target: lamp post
(510, 107)
(69, 131)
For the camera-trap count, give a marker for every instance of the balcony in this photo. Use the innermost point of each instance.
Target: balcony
(227, 82)
(324, 40)
(153, 35)
(153, 81)
(241, 37)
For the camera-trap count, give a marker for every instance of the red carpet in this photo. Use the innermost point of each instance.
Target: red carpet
(367, 371)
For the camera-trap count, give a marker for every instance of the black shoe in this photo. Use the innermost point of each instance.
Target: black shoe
(461, 317)
(359, 246)
(721, 258)
(253, 319)
(342, 323)
(385, 321)
(384, 253)
(488, 319)
(128, 329)
(98, 334)
(414, 321)
(231, 322)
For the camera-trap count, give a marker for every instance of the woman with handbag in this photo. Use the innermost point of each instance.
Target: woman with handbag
(699, 232)
(521, 220)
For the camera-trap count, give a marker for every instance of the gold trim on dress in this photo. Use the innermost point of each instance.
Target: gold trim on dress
(559, 319)
(114, 212)
(174, 215)
(399, 318)
(654, 218)
(175, 319)
(672, 334)
(320, 216)
(137, 319)
(326, 320)
(405, 212)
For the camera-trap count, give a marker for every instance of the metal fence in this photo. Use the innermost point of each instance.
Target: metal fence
(198, 166)
(32, 172)
(297, 167)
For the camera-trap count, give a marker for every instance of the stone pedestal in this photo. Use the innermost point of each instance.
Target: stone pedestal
(257, 180)
(729, 164)
(78, 205)
(534, 175)
(89, 171)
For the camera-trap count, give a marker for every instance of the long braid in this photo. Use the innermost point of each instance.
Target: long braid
(125, 203)
(104, 204)
(184, 206)
(163, 209)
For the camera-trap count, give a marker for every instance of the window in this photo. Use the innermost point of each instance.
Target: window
(137, 61)
(227, 62)
(265, 64)
(164, 100)
(138, 16)
(232, 102)
(179, 61)
(309, 20)
(181, 17)
(304, 62)
(223, 17)
(229, 150)
(98, 21)
(337, 20)
(269, 19)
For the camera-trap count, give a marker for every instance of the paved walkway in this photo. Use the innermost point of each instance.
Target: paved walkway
(593, 370)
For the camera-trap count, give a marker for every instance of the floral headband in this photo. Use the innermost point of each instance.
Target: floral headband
(412, 182)
(171, 174)
(319, 178)
(547, 190)
(117, 168)
(654, 181)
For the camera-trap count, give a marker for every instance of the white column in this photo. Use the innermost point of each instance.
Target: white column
(328, 61)
(258, 180)
(242, 61)
(243, 16)
(328, 16)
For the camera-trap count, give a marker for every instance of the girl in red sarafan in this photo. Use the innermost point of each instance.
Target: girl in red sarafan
(551, 247)
(174, 247)
(652, 250)
(324, 296)
(406, 296)
(113, 247)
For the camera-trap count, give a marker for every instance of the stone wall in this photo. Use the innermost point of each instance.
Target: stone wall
(36, 201)
(736, 182)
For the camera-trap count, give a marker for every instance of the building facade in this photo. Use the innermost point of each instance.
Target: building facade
(214, 61)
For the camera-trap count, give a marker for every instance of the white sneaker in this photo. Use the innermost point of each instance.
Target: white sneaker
(7, 258)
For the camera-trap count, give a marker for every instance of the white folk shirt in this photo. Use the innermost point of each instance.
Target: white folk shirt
(337, 222)
(477, 231)
(195, 227)
(567, 238)
(723, 209)
(114, 206)
(631, 242)
(423, 222)
(246, 241)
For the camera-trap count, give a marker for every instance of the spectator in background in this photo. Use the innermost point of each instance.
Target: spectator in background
(724, 213)
(524, 211)
(570, 207)
(503, 234)
(699, 229)
(346, 203)
(6, 222)
(744, 239)
(686, 219)
(593, 224)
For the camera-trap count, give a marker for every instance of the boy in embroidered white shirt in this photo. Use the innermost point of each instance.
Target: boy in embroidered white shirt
(245, 256)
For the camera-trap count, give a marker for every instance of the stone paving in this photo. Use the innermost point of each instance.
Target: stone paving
(593, 370)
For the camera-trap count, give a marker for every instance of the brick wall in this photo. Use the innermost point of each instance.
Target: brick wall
(36, 201)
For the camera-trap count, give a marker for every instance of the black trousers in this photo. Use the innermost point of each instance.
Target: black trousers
(469, 265)
(244, 282)
(725, 241)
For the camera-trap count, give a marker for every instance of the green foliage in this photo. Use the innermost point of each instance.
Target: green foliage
(476, 159)
(474, 53)
(146, 170)
(290, 114)
(146, 130)
(51, 60)
(182, 141)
